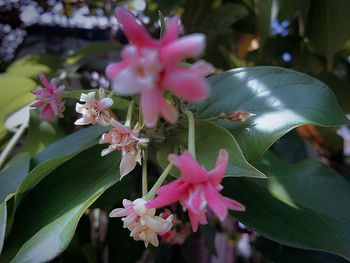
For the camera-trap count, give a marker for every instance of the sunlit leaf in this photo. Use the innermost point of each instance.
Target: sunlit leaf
(280, 100)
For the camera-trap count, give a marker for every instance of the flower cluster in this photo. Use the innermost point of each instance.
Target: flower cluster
(47, 99)
(142, 222)
(94, 110)
(122, 138)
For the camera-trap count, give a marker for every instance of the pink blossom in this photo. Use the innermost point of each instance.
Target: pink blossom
(94, 110)
(122, 138)
(150, 66)
(142, 222)
(196, 189)
(47, 99)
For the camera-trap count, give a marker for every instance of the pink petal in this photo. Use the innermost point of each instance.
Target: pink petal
(184, 47)
(135, 32)
(120, 127)
(215, 201)
(194, 221)
(233, 204)
(54, 107)
(38, 103)
(114, 68)
(59, 90)
(44, 80)
(46, 113)
(172, 31)
(201, 68)
(195, 201)
(186, 85)
(53, 84)
(216, 175)
(168, 194)
(169, 112)
(190, 169)
(150, 106)
(125, 82)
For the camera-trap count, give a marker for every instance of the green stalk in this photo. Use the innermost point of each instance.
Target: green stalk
(144, 174)
(191, 133)
(129, 113)
(151, 194)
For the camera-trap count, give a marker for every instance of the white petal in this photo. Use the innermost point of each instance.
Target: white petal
(106, 103)
(126, 82)
(127, 164)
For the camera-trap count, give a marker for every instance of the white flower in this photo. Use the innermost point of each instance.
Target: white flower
(142, 222)
(93, 110)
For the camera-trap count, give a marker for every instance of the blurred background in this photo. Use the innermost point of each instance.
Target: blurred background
(75, 40)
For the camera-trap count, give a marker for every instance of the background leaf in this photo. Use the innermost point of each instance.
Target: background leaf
(15, 93)
(281, 100)
(300, 205)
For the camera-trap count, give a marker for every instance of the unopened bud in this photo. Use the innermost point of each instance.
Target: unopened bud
(238, 115)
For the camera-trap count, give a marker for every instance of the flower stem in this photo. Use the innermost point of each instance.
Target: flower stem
(12, 143)
(191, 133)
(129, 113)
(159, 183)
(144, 174)
(110, 95)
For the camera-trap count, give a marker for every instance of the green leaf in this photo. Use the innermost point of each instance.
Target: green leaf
(264, 17)
(13, 174)
(327, 27)
(210, 138)
(119, 103)
(57, 153)
(15, 93)
(280, 100)
(54, 207)
(278, 253)
(3, 219)
(10, 177)
(96, 48)
(301, 205)
(30, 65)
(40, 134)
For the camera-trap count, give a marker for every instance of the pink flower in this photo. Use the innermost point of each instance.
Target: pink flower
(151, 66)
(142, 222)
(48, 101)
(196, 189)
(93, 110)
(122, 138)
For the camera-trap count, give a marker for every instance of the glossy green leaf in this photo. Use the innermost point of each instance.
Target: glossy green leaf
(10, 177)
(119, 102)
(50, 226)
(210, 138)
(301, 205)
(57, 153)
(15, 93)
(327, 26)
(29, 66)
(280, 100)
